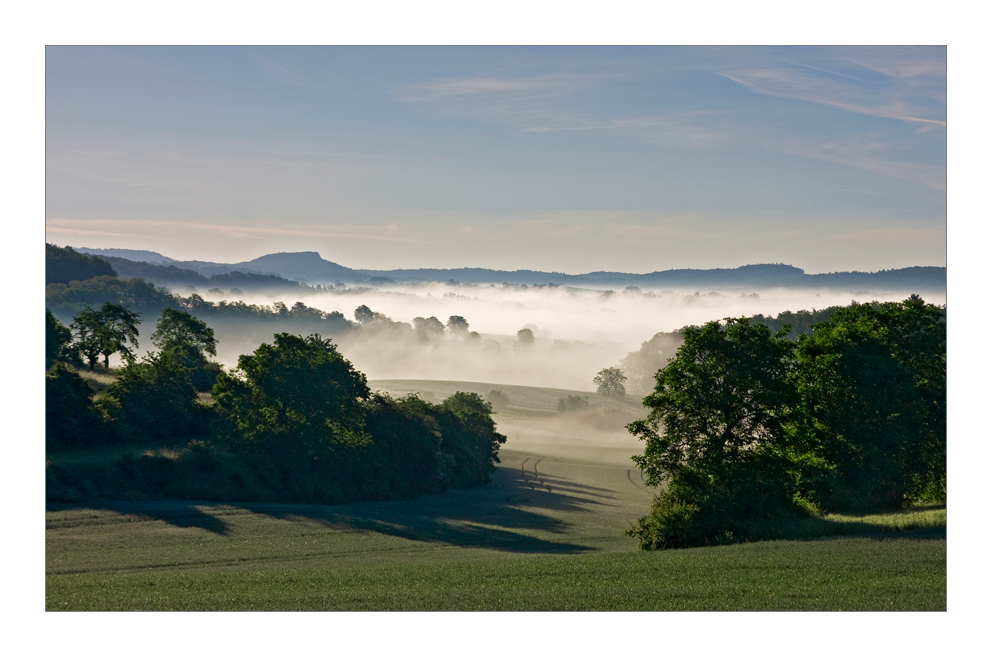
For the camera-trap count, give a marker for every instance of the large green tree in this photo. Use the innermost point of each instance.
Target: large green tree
(720, 400)
(118, 332)
(178, 328)
(716, 435)
(190, 341)
(873, 383)
(298, 392)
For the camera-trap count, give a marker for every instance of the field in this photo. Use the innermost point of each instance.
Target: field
(545, 534)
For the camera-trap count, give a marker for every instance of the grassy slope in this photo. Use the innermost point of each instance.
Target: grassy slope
(547, 533)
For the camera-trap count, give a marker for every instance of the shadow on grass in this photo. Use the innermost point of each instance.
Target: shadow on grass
(925, 523)
(175, 513)
(506, 514)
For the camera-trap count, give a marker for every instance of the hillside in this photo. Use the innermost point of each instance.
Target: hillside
(309, 267)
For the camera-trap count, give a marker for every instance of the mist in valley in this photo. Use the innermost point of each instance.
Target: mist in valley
(577, 332)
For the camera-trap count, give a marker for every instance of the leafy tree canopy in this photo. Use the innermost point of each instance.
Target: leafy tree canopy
(178, 328)
(722, 397)
(299, 391)
(609, 381)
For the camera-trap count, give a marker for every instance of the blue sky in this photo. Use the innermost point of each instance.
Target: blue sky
(564, 159)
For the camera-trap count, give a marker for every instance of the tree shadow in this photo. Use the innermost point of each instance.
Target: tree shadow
(176, 513)
(495, 516)
(502, 515)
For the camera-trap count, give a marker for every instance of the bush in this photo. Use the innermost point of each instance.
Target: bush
(155, 400)
(71, 419)
(572, 403)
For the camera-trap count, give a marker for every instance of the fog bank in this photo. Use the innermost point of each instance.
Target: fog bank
(578, 331)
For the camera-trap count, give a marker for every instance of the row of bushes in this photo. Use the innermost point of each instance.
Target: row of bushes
(293, 423)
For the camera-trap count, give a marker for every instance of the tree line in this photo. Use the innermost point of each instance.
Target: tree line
(294, 422)
(749, 431)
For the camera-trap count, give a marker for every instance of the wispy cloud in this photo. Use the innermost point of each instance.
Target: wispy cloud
(865, 153)
(908, 82)
(181, 230)
(538, 86)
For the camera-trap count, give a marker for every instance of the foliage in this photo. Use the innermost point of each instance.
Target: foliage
(298, 392)
(88, 343)
(136, 294)
(572, 403)
(800, 322)
(155, 400)
(118, 331)
(177, 327)
(469, 439)
(873, 382)
(63, 265)
(457, 325)
(190, 341)
(640, 366)
(525, 338)
(716, 434)
(429, 328)
(58, 342)
(751, 431)
(71, 419)
(609, 381)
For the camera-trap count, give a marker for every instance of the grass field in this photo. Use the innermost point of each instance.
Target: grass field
(545, 534)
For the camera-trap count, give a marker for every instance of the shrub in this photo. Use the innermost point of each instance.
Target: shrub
(572, 403)
(71, 419)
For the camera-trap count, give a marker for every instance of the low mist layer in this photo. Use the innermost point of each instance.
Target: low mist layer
(577, 331)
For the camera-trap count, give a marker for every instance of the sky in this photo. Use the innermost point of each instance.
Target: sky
(632, 159)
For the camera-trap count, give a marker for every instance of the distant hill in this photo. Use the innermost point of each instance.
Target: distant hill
(63, 265)
(129, 254)
(171, 276)
(309, 267)
(306, 266)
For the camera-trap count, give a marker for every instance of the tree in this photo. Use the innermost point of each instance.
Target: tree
(873, 384)
(457, 325)
(364, 314)
(71, 420)
(469, 438)
(89, 341)
(723, 396)
(428, 328)
(179, 328)
(190, 341)
(297, 392)
(118, 329)
(716, 434)
(58, 341)
(610, 382)
(155, 400)
(525, 338)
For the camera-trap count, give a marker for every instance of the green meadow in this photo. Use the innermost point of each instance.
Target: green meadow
(546, 534)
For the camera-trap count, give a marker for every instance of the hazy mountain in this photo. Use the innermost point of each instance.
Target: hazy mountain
(306, 266)
(129, 254)
(309, 267)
